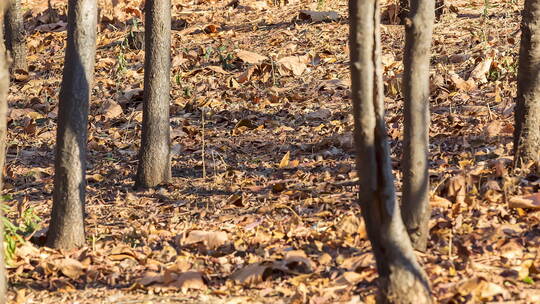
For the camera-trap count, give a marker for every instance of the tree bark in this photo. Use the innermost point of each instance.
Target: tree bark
(527, 113)
(67, 219)
(415, 205)
(401, 279)
(15, 35)
(4, 84)
(155, 153)
(405, 9)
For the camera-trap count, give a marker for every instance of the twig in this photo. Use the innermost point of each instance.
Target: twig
(203, 146)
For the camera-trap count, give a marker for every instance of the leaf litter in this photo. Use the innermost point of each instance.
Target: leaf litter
(263, 211)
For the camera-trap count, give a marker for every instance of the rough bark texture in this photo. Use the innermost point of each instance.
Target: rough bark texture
(527, 113)
(401, 279)
(155, 154)
(4, 83)
(67, 226)
(15, 35)
(405, 8)
(415, 206)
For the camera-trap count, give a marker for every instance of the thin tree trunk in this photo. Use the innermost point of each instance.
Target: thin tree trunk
(4, 84)
(401, 279)
(415, 206)
(67, 219)
(155, 153)
(15, 35)
(527, 113)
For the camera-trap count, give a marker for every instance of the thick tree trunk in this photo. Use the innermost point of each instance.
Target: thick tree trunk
(405, 8)
(155, 153)
(4, 84)
(67, 219)
(527, 113)
(415, 206)
(401, 279)
(15, 35)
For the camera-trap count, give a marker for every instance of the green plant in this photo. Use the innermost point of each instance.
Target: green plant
(208, 52)
(121, 62)
(486, 7)
(16, 233)
(187, 92)
(226, 61)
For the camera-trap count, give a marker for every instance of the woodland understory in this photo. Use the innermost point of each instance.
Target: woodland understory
(263, 160)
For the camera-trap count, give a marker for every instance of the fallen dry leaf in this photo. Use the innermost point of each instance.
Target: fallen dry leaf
(284, 163)
(314, 16)
(70, 268)
(526, 202)
(211, 239)
(250, 57)
(295, 64)
(253, 273)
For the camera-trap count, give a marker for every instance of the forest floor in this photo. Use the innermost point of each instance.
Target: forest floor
(261, 208)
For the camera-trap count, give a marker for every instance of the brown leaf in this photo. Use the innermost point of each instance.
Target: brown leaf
(20, 75)
(500, 167)
(235, 199)
(349, 225)
(250, 57)
(284, 163)
(111, 109)
(121, 253)
(70, 268)
(295, 64)
(511, 250)
(526, 202)
(314, 16)
(298, 261)
(441, 202)
(151, 277)
(189, 280)
(27, 250)
(211, 239)
(480, 289)
(253, 273)
(321, 114)
(211, 29)
(16, 114)
(217, 69)
(246, 75)
(95, 177)
(494, 128)
(457, 188)
(351, 278)
(461, 84)
(332, 84)
(481, 70)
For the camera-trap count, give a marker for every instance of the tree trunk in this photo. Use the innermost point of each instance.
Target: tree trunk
(527, 113)
(4, 84)
(66, 229)
(415, 205)
(15, 35)
(401, 279)
(405, 9)
(155, 153)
